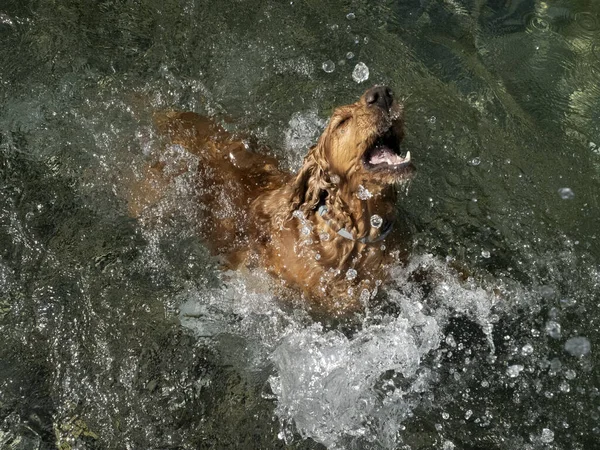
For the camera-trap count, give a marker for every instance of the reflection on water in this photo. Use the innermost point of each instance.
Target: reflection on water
(119, 335)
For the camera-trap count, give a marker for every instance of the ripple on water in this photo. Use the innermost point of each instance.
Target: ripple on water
(587, 21)
(533, 22)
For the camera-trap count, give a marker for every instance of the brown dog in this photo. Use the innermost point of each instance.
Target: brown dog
(323, 231)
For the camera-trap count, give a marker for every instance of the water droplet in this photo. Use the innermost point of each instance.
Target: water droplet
(318, 256)
(527, 350)
(298, 214)
(566, 302)
(445, 415)
(432, 119)
(376, 221)
(566, 193)
(468, 414)
(350, 16)
(450, 341)
(328, 66)
(324, 236)
(349, 55)
(564, 387)
(539, 24)
(351, 274)
(547, 292)
(485, 254)
(475, 161)
(305, 230)
(360, 72)
(514, 370)
(547, 436)
(578, 346)
(553, 329)
(365, 295)
(448, 445)
(335, 179)
(570, 374)
(363, 193)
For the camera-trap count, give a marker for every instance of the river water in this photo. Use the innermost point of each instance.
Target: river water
(117, 335)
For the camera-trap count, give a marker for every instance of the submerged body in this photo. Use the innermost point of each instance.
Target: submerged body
(325, 231)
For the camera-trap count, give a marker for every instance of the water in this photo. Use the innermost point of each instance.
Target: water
(118, 334)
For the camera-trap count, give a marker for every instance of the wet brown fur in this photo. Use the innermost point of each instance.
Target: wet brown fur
(254, 213)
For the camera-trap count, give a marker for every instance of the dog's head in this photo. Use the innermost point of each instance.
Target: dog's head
(360, 146)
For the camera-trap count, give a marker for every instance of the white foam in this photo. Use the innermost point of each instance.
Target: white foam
(329, 386)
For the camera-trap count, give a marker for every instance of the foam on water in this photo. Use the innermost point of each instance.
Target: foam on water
(329, 386)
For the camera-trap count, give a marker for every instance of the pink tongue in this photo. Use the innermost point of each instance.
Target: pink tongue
(384, 154)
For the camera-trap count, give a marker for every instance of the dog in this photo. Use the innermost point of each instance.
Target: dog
(326, 231)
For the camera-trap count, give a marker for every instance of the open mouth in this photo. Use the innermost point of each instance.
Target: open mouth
(385, 154)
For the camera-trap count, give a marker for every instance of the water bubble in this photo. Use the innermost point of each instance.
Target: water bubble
(539, 24)
(485, 254)
(514, 370)
(475, 161)
(445, 415)
(527, 350)
(365, 295)
(363, 193)
(570, 374)
(351, 274)
(555, 366)
(566, 302)
(328, 66)
(547, 436)
(578, 346)
(448, 445)
(349, 55)
(547, 292)
(553, 329)
(376, 221)
(351, 16)
(360, 72)
(566, 193)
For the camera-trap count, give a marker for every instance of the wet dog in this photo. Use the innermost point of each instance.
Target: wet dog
(326, 231)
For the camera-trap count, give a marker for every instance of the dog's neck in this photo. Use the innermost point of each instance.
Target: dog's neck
(368, 215)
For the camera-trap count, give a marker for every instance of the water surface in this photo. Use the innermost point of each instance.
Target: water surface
(118, 335)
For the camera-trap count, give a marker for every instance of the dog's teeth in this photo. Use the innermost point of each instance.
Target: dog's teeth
(407, 157)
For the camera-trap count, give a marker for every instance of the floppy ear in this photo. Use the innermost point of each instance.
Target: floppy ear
(307, 186)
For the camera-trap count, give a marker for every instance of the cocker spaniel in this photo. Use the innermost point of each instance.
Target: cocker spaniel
(325, 231)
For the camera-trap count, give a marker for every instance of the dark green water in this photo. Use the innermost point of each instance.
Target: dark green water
(119, 336)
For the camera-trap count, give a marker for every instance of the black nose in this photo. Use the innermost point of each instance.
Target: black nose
(380, 96)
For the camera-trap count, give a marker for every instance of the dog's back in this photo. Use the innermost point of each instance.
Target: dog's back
(229, 177)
